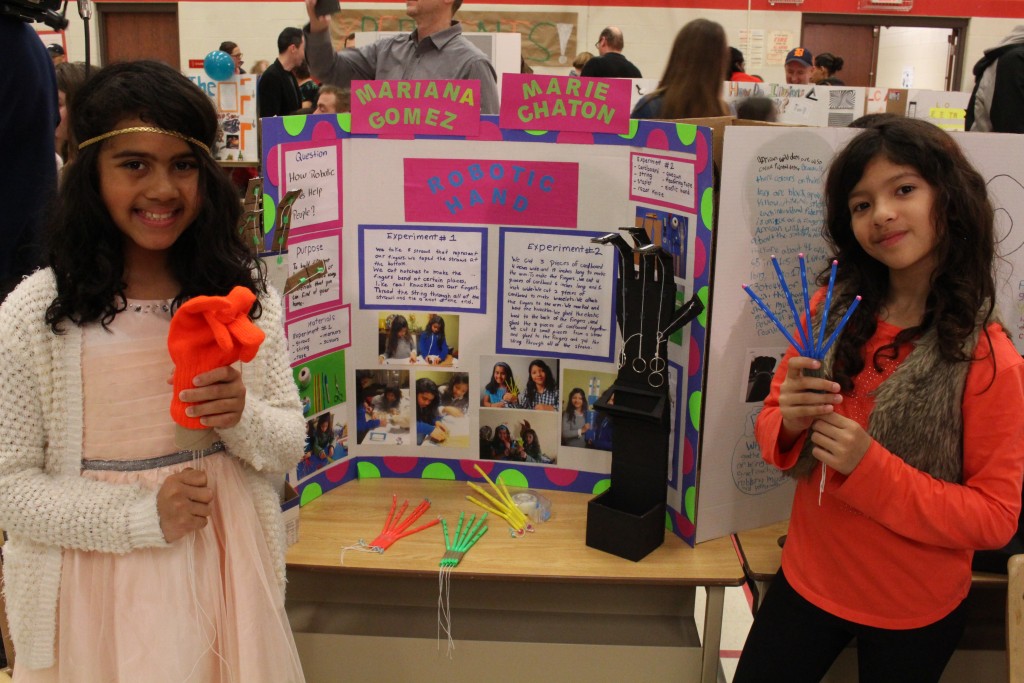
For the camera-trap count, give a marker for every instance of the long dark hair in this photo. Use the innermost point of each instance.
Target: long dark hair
(85, 246)
(429, 413)
(435, 318)
(497, 445)
(829, 62)
(961, 295)
(531, 449)
(698, 63)
(398, 323)
(570, 411)
(549, 380)
(456, 379)
(70, 78)
(493, 386)
(395, 391)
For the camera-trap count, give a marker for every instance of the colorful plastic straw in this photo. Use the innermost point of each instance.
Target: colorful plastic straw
(778, 323)
(807, 303)
(842, 323)
(809, 348)
(395, 528)
(807, 343)
(828, 302)
(464, 539)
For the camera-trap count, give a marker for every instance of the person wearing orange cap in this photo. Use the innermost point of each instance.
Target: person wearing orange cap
(799, 66)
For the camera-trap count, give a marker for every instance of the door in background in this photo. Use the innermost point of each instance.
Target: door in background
(856, 44)
(139, 31)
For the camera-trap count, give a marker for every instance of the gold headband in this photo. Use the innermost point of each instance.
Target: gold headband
(145, 129)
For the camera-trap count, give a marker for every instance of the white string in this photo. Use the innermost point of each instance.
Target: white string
(821, 487)
(444, 613)
(361, 547)
(657, 363)
(622, 355)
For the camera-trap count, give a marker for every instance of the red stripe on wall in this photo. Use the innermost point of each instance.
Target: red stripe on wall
(922, 8)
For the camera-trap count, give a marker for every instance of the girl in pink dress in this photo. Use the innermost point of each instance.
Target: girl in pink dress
(130, 559)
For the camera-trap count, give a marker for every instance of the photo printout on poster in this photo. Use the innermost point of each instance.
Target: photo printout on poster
(556, 294)
(422, 268)
(325, 291)
(314, 168)
(319, 334)
(663, 181)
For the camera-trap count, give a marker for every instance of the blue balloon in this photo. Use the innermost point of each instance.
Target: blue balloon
(219, 66)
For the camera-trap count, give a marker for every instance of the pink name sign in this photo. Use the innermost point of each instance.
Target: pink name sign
(537, 193)
(407, 108)
(589, 105)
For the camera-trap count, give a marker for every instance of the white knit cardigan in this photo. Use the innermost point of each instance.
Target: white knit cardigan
(46, 506)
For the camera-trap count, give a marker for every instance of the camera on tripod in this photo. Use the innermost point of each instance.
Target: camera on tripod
(44, 11)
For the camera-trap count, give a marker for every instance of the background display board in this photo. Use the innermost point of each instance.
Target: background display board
(488, 239)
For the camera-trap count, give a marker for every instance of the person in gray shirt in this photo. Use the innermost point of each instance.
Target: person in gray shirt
(435, 49)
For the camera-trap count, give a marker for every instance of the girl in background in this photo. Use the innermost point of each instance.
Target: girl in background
(498, 392)
(175, 553)
(323, 441)
(826, 65)
(433, 347)
(692, 83)
(532, 452)
(309, 91)
(367, 419)
(574, 419)
(428, 416)
(70, 78)
(542, 389)
(908, 451)
(389, 401)
(502, 447)
(399, 344)
(455, 395)
(392, 407)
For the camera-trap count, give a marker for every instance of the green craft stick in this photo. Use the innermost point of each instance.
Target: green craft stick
(444, 528)
(475, 539)
(465, 531)
(474, 530)
(458, 530)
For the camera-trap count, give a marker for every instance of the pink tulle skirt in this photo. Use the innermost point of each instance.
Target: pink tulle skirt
(207, 609)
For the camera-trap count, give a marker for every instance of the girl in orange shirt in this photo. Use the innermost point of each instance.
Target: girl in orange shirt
(908, 447)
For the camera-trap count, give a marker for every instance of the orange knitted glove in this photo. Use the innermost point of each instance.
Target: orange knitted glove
(209, 332)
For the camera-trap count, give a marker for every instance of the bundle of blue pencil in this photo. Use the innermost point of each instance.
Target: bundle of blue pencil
(811, 347)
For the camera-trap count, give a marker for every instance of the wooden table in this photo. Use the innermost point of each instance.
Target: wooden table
(979, 655)
(544, 607)
(761, 556)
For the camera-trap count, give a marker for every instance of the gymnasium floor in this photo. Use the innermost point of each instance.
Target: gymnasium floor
(736, 620)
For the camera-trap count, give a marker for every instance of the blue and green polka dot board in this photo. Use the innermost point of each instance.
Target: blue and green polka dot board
(652, 135)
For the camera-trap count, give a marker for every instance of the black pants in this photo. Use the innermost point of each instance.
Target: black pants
(792, 641)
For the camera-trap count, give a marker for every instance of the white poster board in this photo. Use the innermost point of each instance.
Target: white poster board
(806, 105)
(772, 180)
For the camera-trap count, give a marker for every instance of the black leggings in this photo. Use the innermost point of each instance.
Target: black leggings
(791, 640)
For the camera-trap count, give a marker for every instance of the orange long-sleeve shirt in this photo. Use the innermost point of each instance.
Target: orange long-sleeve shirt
(890, 546)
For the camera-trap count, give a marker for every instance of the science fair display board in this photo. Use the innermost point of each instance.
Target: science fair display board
(463, 287)
(772, 187)
(234, 98)
(806, 105)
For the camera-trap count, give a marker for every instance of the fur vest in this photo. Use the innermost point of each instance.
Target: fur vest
(918, 412)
